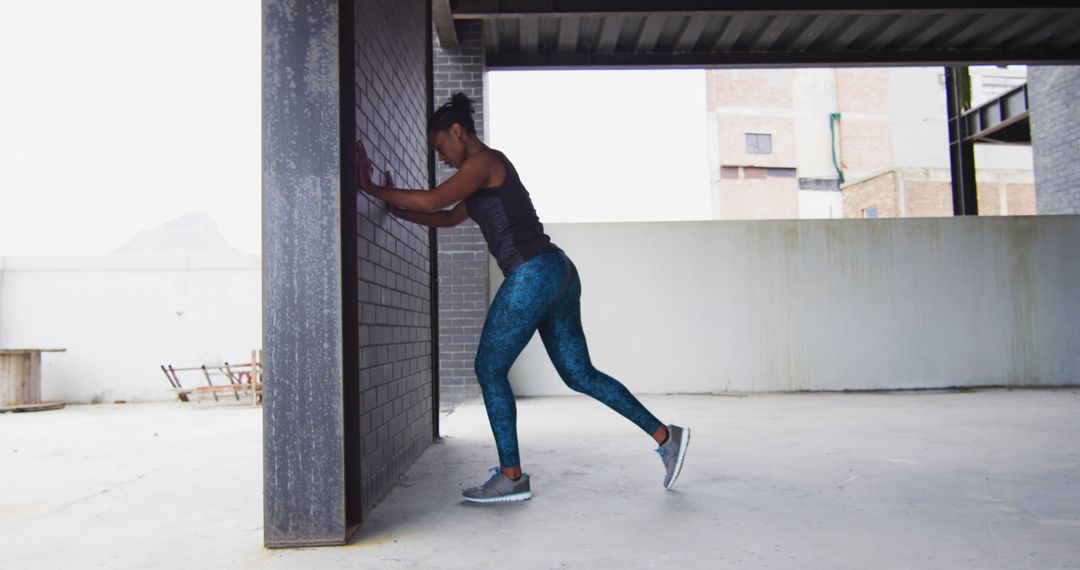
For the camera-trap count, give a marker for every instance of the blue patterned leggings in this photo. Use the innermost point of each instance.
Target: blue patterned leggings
(543, 293)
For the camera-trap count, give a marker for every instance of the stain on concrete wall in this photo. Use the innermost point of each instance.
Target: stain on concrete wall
(824, 304)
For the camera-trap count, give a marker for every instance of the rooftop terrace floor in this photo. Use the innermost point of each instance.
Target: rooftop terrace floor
(973, 479)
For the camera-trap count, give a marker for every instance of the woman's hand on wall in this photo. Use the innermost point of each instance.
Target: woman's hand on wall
(363, 167)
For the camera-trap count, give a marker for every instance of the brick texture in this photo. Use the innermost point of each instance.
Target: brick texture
(875, 192)
(394, 256)
(927, 193)
(463, 256)
(927, 198)
(1055, 137)
(750, 88)
(758, 199)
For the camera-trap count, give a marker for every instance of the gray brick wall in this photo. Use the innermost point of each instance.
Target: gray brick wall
(1055, 137)
(394, 287)
(463, 256)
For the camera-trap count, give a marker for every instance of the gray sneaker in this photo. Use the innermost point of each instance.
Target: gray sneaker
(499, 489)
(672, 453)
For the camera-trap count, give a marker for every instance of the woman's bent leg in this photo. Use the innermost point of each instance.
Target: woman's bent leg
(521, 302)
(564, 340)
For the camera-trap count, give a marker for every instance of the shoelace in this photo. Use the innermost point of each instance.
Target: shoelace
(495, 472)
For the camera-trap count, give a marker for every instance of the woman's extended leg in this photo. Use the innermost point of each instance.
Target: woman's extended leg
(521, 302)
(564, 340)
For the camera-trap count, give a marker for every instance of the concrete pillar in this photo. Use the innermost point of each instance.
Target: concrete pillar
(305, 272)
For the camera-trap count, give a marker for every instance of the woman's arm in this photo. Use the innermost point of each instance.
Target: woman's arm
(471, 176)
(440, 219)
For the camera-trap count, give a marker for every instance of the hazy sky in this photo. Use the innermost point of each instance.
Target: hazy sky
(119, 115)
(604, 146)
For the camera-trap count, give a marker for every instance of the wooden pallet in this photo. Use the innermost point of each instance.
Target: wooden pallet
(246, 378)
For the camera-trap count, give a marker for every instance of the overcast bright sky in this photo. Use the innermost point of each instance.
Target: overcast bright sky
(119, 115)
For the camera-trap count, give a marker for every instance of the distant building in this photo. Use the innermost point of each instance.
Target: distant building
(852, 142)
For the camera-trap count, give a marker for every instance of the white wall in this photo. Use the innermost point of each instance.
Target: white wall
(816, 204)
(823, 304)
(120, 317)
(814, 98)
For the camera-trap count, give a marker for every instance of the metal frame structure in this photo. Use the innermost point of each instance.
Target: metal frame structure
(961, 147)
(1004, 120)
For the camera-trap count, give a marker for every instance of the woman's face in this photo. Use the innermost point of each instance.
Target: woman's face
(450, 145)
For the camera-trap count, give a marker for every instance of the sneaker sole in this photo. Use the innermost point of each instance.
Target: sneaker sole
(685, 441)
(503, 499)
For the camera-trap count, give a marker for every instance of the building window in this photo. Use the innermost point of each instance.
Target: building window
(729, 172)
(758, 143)
(819, 184)
(870, 212)
(754, 172)
(780, 172)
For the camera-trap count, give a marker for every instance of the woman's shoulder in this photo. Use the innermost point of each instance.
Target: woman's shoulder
(497, 165)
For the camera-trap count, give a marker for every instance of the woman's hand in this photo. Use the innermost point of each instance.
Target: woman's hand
(363, 167)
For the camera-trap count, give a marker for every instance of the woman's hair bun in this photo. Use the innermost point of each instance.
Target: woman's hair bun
(461, 102)
(458, 110)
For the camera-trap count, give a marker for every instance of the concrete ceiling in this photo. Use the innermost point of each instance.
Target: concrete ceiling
(765, 33)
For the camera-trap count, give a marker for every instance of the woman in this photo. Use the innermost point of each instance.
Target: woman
(541, 292)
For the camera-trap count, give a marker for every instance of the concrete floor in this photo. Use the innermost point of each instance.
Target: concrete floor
(985, 479)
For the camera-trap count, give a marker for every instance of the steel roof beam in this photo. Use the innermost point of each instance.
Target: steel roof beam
(569, 28)
(611, 60)
(444, 24)
(471, 9)
(650, 33)
(810, 32)
(690, 33)
(997, 115)
(609, 34)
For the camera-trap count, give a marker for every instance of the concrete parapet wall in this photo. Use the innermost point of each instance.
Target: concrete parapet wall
(121, 317)
(704, 307)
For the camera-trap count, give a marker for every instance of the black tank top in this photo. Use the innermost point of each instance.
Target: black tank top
(508, 220)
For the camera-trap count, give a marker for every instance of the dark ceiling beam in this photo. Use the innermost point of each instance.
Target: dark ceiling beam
(569, 28)
(470, 9)
(854, 28)
(650, 32)
(811, 32)
(733, 29)
(784, 59)
(689, 34)
(1061, 22)
(948, 24)
(1009, 29)
(443, 16)
(1071, 36)
(491, 36)
(976, 29)
(774, 29)
(887, 31)
(609, 34)
(530, 34)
